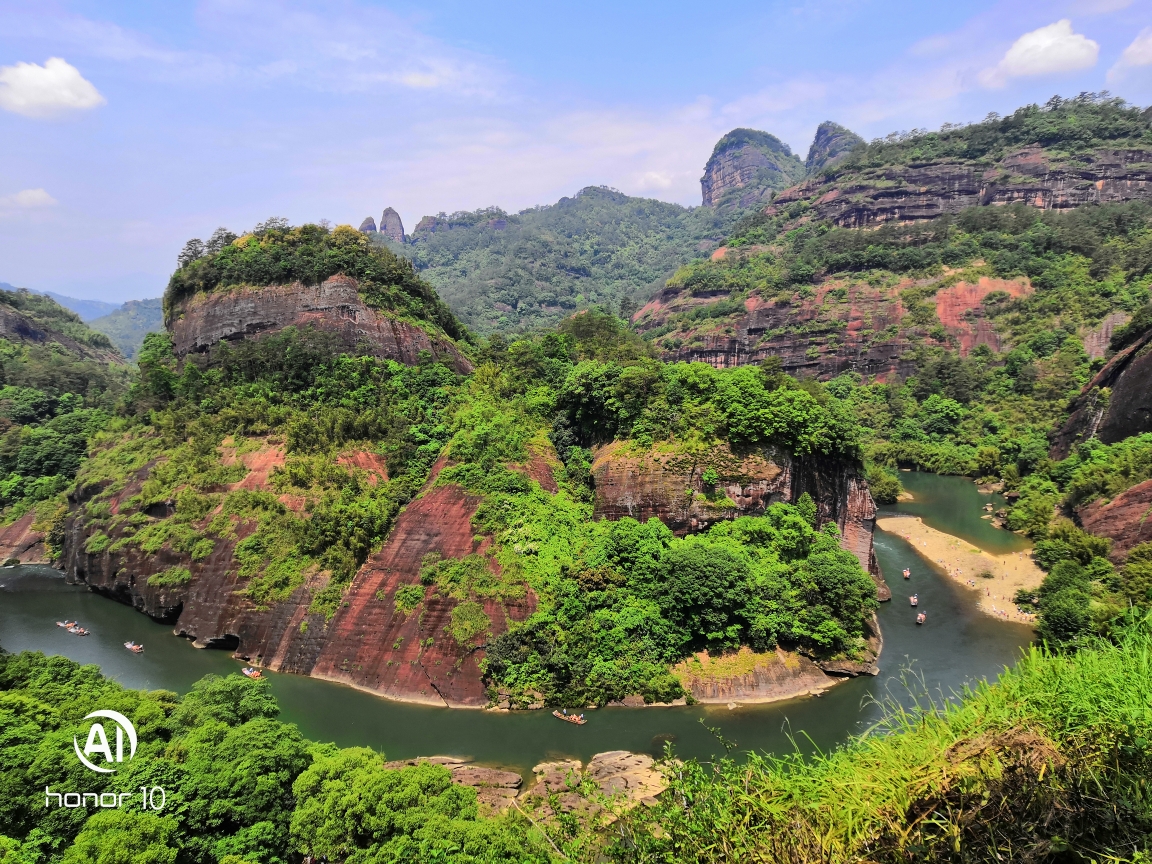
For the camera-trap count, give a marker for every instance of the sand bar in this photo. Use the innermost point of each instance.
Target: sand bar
(964, 563)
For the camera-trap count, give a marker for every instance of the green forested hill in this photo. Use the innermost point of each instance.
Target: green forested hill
(509, 272)
(128, 325)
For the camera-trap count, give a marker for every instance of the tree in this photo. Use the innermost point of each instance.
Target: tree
(193, 250)
(125, 837)
(704, 589)
(220, 238)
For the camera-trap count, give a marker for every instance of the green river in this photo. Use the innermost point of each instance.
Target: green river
(959, 645)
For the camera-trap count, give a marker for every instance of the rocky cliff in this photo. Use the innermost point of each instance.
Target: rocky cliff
(854, 197)
(334, 306)
(845, 325)
(368, 643)
(832, 143)
(746, 167)
(670, 486)
(391, 226)
(1115, 404)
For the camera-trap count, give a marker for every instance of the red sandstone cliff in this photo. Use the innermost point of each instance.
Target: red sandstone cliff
(670, 486)
(845, 326)
(853, 198)
(334, 306)
(367, 643)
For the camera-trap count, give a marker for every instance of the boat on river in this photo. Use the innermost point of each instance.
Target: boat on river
(77, 630)
(921, 618)
(66, 624)
(914, 599)
(907, 573)
(249, 672)
(570, 718)
(134, 647)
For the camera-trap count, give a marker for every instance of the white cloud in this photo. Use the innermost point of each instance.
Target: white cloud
(27, 199)
(1139, 53)
(55, 88)
(1049, 50)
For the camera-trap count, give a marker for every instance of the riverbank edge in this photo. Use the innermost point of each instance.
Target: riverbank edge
(953, 555)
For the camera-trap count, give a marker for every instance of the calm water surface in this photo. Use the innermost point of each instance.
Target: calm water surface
(957, 645)
(954, 505)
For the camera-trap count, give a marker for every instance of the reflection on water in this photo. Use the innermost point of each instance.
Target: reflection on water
(956, 645)
(955, 506)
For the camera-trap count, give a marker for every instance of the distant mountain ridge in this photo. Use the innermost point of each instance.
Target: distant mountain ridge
(127, 325)
(86, 309)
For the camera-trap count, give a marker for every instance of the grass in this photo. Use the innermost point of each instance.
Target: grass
(1050, 763)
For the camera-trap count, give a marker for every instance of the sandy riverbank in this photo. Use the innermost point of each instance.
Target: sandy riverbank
(964, 563)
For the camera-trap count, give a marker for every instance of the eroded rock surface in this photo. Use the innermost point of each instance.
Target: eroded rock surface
(334, 306)
(855, 198)
(846, 326)
(391, 226)
(1125, 519)
(367, 644)
(1115, 404)
(20, 540)
(747, 166)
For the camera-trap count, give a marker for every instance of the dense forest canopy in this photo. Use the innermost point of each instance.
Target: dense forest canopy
(507, 273)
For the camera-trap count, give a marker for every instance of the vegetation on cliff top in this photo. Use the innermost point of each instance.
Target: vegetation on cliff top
(1062, 126)
(276, 254)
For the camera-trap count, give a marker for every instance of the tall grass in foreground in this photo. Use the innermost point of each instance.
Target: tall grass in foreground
(1051, 763)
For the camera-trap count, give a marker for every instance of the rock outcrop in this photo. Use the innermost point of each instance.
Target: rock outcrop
(391, 226)
(747, 166)
(368, 643)
(23, 542)
(334, 306)
(832, 143)
(670, 486)
(748, 677)
(846, 325)
(1124, 519)
(852, 197)
(1115, 404)
(368, 226)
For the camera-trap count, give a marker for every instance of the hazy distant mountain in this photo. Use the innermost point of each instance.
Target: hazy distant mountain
(86, 309)
(128, 324)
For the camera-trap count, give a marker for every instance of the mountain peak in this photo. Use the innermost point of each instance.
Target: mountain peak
(832, 143)
(746, 167)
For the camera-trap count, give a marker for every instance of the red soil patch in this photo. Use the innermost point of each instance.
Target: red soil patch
(973, 329)
(373, 463)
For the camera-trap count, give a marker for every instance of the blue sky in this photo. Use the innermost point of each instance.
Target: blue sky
(128, 127)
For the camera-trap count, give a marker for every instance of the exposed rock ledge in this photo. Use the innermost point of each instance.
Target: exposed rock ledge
(334, 306)
(20, 540)
(628, 778)
(748, 677)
